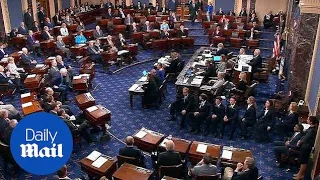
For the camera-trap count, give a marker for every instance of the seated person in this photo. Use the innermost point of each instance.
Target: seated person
(204, 167)
(256, 62)
(172, 19)
(217, 32)
(48, 23)
(182, 32)
(249, 119)
(268, 20)
(164, 27)
(252, 34)
(57, 81)
(150, 95)
(68, 21)
(46, 34)
(36, 27)
(131, 151)
(22, 29)
(223, 19)
(8, 131)
(133, 28)
(49, 93)
(253, 18)
(160, 72)
(222, 66)
(121, 13)
(219, 82)
(109, 14)
(209, 72)
(13, 113)
(99, 47)
(76, 125)
(110, 44)
(222, 50)
(147, 27)
(148, 12)
(80, 26)
(97, 33)
(226, 25)
(247, 170)
(110, 27)
(14, 32)
(3, 53)
(156, 77)
(215, 119)
(265, 123)
(5, 79)
(26, 60)
(94, 54)
(286, 123)
(200, 113)
(231, 13)
(243, 12)
(231, 116)
(242, 84)
(220, 12)
(170, 157)
(62, 46)
(121, 42)
(183, 105)
(128, 20)
(80, 39)
(283, 147)
(32, 43)
(64, 30)
(4, 119)
(61, 64)
(174, 63)
(13, 73)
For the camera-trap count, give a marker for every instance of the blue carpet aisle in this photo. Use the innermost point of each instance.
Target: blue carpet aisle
(112, 92)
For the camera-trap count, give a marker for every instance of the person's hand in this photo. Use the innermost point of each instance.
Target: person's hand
(239, 166)
(6, 55)
(298, 143)
(183, 112)
(225, 118)
(213, 116)
(196, 113)
(1, 102)
(268, 128)
(8, 73)
(55, 87)
(287, 143)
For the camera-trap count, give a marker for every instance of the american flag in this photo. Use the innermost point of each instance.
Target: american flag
(276, 46)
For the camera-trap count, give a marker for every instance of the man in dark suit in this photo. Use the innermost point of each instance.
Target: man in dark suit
(128, 20)
(199, 114)
(222, 50)
(193, 11)
(268, 20)
(46, 34)
(57, 80)
(32, 43)
(5, 79)
(216, 118)
(8, 131)
(147, 27)
(182, 32)
(28, 19)
(210, 71)
(172, 5)
(4, 119)
(232, 116)
(170, 157)
(249, 119)
(3, 53)
(26, 60)
(22, 29)
(266, 121)
(41, 16)
(150, 95)
(77, 126)
(109, 14)
(131, 151)
(256, 62)
(48, 23)
(97, 33)
(183, 105)
(282, 147)
(246, 171)
(36, 27)
(93, 53)
(243, 12)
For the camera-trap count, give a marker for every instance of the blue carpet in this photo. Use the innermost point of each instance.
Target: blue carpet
(112, 92)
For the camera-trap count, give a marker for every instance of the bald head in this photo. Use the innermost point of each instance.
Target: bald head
(129, 141)
(169, 145)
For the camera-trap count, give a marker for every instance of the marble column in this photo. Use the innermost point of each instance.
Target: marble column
(2, 29)
(244, 4)
(301, 54)
(5, 24)
(72, 3)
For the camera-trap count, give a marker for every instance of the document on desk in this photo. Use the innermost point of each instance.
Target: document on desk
(143, 79)
(134, 87)
(141, 134)
(202, 148)
(226, 154)
(39, 65)
(26, 104)
(163, 144)
(92, 108)
(31, 76)
(122, 52)
(99, 162)
(4, 60)
(196, 81)
(25, 95)
(89, 96)
(94, 155)
(85, 75)
(51, 58)
(76, 77)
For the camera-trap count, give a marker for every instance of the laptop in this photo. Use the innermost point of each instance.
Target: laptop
(216, 58)
(144, 73)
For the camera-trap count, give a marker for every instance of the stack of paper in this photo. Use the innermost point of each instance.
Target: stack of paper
(122, 52)
(99, 162)
(94, 155)
(27, 104)
(92, 108)
(143, 79)
(202, 148)
(39, 65)
(76, 77)
(25, 95)
(4, 59)
(31, 76)
(134, 87)
(51, 58)
(141, 134)
(85, 75)
(196, 81)
(226, 154)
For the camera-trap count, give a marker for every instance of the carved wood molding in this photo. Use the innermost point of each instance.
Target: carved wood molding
(310, 6)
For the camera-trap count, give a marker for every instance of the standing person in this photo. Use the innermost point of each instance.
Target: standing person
(193, 11)
(41, 16)
(216, 118)
(172, 5)
(249, 119)
(209, 11)
(28, 19)
(231, 116)
(150, 95)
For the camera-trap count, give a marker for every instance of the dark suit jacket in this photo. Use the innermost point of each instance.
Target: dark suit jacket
(180, 33)
(204, 110)
(256, 63)
(131, 152)
(188, 104)
(4, 78)
(41, 16)
(169, 158)
(55, 76)
(250, 115)
(151, 89)
(55, 19)
(30, 40)
(50, 25)
(268, 119)
(294, 140)
(23, 31)
(232, 113)
(309, 138)
(7, 135)
(28, 20)
(90, 51)
(219, 111)
(3, 124)
(243, 13)
(97, 34)
(292, 119)
(3, 54)
(131, 29)
(222, 51)
(26, 60)
(220, 13)
(144, 28)
(210, 72)
(173, 67)
(215, 33)
(193, 10)
(251, 174)
(45, 36)
(36, 28)
(109, 16)
(242, 86)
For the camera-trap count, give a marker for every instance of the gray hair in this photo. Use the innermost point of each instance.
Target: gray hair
(250, 162)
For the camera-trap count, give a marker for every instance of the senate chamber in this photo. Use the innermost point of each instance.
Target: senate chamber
(166, 89)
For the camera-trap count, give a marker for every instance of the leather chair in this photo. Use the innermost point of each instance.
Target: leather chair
(72, 28)
(207, 24)
(187, 41)
(119, 29)
(88, 34)
(117, 21)
(217, 40)
(176, 171)
(212, 177)
(103, 23)
(165, 17)
(252, 44)
(138, 18)
(227, 33)
(217, 18)
(137, 37)
(235, 42)
(174, 42)
(5, 90)
(125, 159)
(177, 24)
(154, 34)
(159, 44)
(151, 18)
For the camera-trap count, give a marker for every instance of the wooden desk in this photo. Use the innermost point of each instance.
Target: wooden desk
(107, 169)
(149, 142)
(136, 92)
(31, 98)
(238, 156)
(83, 101)
(35, 107)
(40, 70)
(99, 117)
(195, 156)
(130, 172)
(32, 83)
(16, 56)
(81, 84)
(78, 50)
(88, 68)
(20, 41)
(48, 61)
(180, 145)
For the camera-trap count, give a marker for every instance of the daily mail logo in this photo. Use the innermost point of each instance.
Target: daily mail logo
(41, 143)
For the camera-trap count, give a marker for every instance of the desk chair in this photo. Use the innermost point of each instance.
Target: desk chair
(6, 90)
(176, 171)
(6, 155)
(212, 177)
(126, 159)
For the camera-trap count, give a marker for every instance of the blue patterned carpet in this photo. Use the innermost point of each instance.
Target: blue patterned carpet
(112, 92)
